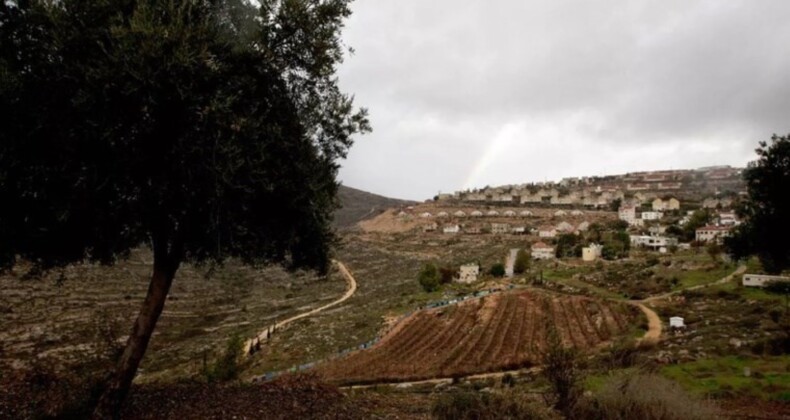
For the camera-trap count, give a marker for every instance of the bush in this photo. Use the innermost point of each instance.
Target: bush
(522, 262)
(643, 396)
(429, 278)
(227, 368)
(562, 370)
(447, 274)
(488, 406)
(497, 270)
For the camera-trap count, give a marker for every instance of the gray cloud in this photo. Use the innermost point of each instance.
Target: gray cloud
(474, 93)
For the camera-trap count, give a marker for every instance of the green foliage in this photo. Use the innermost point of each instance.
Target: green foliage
(497, 270)
(561, 368)
(469, 405)
(227, 368)
(522, 262)
(447, 274)
(766, 224)
(643, 396)
(429, 278)
(208, 128)
(568, 245)
(779, 288)
(698, 219)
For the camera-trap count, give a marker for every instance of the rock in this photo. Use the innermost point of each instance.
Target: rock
(736, 343)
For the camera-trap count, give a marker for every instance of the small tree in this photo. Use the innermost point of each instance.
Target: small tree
(447, 274)
(522, 262)
(562, 370)
(429, 278)
(497, 270)
(714, 250)
(766, 226)
(779, 287)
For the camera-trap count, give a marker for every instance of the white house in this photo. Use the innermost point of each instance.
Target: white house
(592, 252)
(500, 228)
(541, 251)
(728, 218)
(759, 280)
(518, 230)
(712, 234)
(547, 232)
(430, 227)
(451, 229)
(676, 322)
(565, 227)
(652, 215)
(468, 273)
(627, 213)
(655, 242)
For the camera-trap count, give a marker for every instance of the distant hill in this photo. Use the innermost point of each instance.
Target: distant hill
(358, 205)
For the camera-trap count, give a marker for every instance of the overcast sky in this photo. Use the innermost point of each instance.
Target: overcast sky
(468, 93)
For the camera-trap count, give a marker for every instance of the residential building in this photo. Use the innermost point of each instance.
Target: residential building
(592, 252)
(712, 234)
(451, 229)
(468, 273)
(499, 228)
(541, 251)
(676, 322)
(430, 227)
(760, 280)
(652, 215)
(547, 232)
(627, 213)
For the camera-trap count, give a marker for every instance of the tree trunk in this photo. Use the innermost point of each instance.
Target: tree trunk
(110, 402)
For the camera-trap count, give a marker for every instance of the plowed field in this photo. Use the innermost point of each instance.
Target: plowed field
(498, 332)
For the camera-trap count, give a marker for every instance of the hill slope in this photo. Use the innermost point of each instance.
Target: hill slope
(358, 205)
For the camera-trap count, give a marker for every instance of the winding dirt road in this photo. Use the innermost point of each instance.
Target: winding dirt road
(352, 288)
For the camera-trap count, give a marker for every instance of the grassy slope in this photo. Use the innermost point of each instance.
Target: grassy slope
(358, 205)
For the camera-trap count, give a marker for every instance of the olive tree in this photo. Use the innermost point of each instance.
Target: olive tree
(206, 129)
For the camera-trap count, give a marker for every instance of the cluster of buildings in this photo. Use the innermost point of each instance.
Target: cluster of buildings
(599, 192)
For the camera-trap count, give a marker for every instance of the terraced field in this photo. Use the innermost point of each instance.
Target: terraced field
(69, 319)
(498, 332)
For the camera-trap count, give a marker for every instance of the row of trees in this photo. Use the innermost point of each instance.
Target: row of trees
(206, 129)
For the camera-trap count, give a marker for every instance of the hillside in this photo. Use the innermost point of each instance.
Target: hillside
(358, 205)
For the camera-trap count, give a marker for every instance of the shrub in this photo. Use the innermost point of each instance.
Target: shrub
(227, 368)
(497, 270)
(429, 278)
(562, 370)
(447, 274)
(488, 406)
(522, 262)
(643, 396)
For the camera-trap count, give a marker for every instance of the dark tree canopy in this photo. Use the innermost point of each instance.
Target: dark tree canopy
(180, 123)
(766, 211)
(206, 128)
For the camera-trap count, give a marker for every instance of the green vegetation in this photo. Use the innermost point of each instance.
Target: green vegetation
(766, 225)
(227, 367)
(497, 270)
(522, 262)
(429, 278)
(768, 377)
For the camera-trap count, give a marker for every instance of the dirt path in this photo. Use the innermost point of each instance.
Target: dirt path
(740, 270)
(352, 288)
(510, 262)
(654, 325)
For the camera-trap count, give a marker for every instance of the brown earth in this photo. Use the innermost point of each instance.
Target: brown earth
(498, 332)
